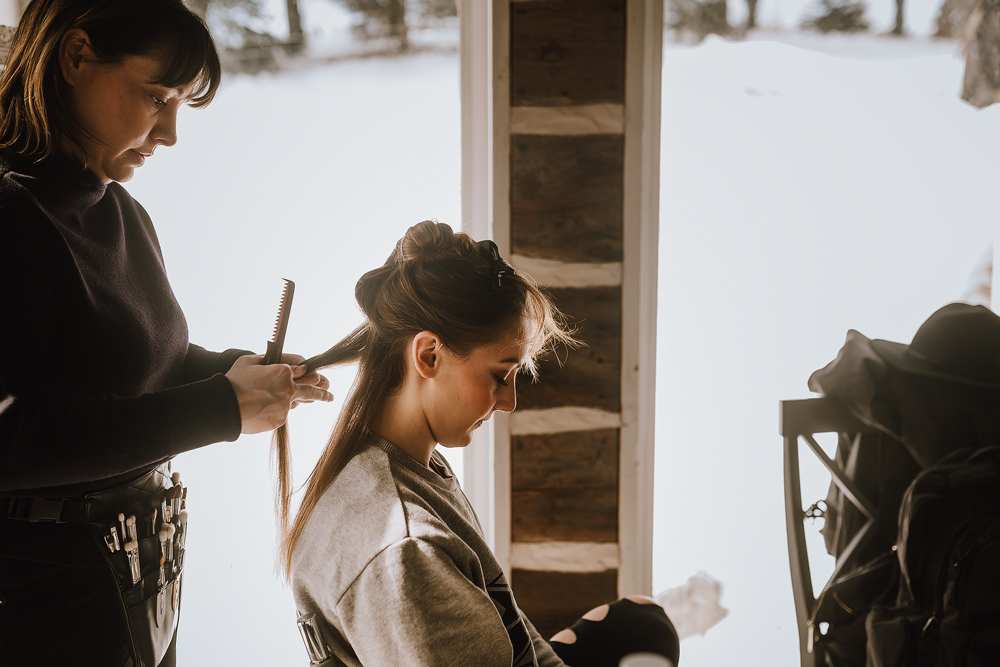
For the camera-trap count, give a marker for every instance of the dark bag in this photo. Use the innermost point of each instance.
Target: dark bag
(844, 603)
(948, 610)
(881, 469)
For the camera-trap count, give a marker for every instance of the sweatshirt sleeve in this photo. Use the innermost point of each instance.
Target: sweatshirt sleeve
(412, 606)
(543, 650)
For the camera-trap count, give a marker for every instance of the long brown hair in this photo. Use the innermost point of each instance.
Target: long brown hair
(435, 280)
(34, 113)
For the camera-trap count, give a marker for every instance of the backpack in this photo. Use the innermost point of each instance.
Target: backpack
(947, 612)
(881, 469)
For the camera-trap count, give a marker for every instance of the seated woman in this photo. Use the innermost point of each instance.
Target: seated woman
(386, 550)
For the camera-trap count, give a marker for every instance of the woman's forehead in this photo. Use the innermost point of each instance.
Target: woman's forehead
(150, 68)
(510, 349)
(156, 67)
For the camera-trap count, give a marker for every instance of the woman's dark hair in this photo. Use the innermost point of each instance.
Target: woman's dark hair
(435, 280)
(34, 114)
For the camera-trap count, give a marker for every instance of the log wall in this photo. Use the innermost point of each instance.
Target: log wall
(567, 162)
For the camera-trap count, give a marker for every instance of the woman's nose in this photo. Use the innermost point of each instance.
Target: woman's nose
(507, 399)
(165, 130)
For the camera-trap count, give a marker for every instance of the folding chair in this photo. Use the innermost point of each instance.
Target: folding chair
(803, 419)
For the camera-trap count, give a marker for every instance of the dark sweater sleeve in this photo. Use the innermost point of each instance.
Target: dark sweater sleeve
(53, 435)
(200, 363)
(48, 439)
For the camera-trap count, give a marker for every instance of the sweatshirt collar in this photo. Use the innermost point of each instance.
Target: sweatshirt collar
(404, 459)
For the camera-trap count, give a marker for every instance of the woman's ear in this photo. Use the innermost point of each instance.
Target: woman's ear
(74, 51)
(425, 354)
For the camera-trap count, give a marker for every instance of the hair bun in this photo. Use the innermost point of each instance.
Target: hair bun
(368, 286)
(427, 241)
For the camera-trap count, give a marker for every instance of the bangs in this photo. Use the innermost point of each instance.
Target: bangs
(191, 58)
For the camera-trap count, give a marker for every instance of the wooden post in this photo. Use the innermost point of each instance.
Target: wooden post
(561, 170)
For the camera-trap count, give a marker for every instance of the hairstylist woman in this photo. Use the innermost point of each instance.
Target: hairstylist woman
(99, 386)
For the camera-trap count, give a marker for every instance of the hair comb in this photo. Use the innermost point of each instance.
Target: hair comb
(277, 342)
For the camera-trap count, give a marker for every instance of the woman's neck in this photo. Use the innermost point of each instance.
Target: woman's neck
(402, 423)
(73, 151)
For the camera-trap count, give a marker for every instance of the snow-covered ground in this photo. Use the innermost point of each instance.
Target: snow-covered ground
(809, 185)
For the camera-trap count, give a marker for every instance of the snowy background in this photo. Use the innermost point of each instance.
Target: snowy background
(802, 195)
(810, 185)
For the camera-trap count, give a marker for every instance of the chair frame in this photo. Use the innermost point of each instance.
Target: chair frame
(802, 419)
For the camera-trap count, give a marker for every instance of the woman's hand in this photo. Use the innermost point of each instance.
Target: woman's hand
(311, 378)
(266, 393)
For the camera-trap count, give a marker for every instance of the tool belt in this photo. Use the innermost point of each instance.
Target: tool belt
(140, 529)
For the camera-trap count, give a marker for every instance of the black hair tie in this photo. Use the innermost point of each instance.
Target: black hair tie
(500, 268)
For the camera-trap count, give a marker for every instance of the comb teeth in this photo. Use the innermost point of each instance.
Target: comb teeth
(277, 342)
(281, 308)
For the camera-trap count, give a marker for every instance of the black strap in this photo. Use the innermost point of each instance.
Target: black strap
(36, 508)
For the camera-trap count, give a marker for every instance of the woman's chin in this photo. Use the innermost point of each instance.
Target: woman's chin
(458, 441)
(122, 174)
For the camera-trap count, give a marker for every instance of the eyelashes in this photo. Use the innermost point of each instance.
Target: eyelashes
(501, 382)
(157, 102)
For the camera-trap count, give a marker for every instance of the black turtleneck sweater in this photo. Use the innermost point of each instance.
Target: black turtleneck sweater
(98, 382)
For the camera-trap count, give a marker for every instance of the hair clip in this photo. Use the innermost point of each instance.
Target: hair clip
(500, 267)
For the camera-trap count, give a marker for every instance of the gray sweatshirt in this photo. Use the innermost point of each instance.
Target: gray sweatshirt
(395, 567)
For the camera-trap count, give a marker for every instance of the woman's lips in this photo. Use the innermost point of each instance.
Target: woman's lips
(142, 156)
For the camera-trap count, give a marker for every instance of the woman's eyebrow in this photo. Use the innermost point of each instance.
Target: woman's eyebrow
(180, 90)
